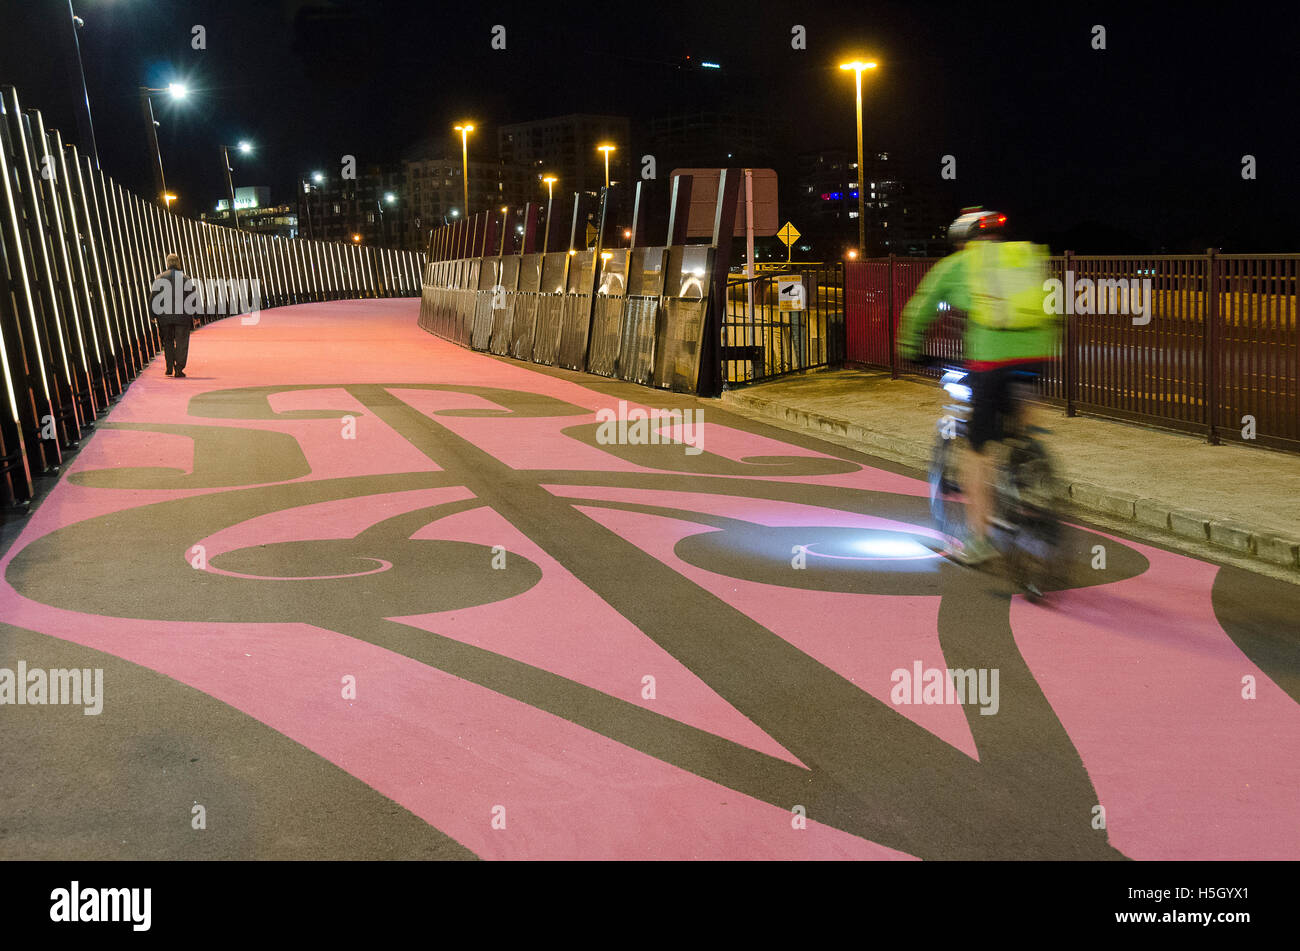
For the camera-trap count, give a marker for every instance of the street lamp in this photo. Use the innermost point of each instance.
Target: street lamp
(606, 149)
(169, 199)
(318, 178)
(245, 148)
(550, 181)
(77, 24)
(176, 91)
(505, 210)
(465, 129)
(858, 66)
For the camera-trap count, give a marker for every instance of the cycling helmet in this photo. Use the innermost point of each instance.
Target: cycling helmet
(976, 223)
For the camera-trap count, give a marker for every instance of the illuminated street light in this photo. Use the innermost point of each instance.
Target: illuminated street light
(356, 239)
(177, 91)
(389, 197)
(169, 199)
(317, 177)
(550, 181)
(858, 66)
(606, 150)
(245, 148)
(465, 129)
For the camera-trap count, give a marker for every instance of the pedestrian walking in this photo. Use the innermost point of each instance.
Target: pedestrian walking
(171, 292)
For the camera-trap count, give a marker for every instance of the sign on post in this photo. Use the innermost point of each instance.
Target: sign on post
(788, 235)
(789, 293)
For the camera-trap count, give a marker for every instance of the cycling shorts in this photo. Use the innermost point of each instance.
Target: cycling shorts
(993, 399)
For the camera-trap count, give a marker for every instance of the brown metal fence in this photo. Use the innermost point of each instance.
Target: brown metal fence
(1204, 343)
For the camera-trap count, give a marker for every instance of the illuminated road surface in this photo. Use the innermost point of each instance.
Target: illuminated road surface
(360, 593)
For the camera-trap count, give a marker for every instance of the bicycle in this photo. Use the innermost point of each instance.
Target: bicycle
(1024, 526)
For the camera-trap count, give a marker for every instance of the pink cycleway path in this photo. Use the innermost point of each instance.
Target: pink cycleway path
(1140, 673)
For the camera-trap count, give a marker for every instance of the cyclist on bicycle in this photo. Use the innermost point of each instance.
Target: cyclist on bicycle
(1008, 334)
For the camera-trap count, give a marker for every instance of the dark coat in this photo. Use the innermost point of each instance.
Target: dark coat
(167, 296)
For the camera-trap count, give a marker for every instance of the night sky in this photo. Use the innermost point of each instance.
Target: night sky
(1135, 147)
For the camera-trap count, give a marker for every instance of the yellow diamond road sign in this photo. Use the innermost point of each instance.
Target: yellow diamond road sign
(789, 234)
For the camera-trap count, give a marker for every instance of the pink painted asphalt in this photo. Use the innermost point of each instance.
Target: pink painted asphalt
(1140, 673)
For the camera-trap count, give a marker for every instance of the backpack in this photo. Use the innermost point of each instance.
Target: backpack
(1007, 285)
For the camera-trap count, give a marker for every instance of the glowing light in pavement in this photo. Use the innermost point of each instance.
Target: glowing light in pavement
(873, 545)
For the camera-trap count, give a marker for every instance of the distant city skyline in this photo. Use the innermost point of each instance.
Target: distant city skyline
(1138, 146)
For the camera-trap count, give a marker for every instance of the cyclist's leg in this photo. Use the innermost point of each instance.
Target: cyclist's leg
(1023, 411)
(983, 428)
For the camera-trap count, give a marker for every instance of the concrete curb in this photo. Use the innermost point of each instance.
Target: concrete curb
(1251, 541)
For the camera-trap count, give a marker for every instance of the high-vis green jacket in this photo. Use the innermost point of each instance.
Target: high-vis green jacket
(999, 285)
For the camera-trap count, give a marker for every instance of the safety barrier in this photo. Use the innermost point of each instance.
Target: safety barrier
(79, 256)
(634, 314)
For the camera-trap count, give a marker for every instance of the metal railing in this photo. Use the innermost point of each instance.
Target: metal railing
(1203, 343)
(783, 322)
(78, 256)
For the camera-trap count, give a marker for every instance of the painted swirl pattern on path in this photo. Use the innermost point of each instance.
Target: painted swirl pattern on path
(564, 648)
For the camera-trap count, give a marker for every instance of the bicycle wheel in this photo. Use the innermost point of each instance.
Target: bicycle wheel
(947, 501)
(1032, 508)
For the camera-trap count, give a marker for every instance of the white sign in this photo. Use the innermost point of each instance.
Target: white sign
(789, 292)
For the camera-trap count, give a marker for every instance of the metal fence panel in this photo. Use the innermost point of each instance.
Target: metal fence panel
(606, 335)
(549, 325)
(678, 345)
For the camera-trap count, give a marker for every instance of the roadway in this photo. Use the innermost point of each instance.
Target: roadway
(360, 593)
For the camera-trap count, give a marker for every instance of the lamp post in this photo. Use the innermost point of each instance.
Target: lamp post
(858, 66)
(245, 148)
(606, 149)
(389, 199)
(465, 129)
(505, 210)
(318, 180)
(550, 181)
(89, 130)
(177, 91)
(306, 206)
